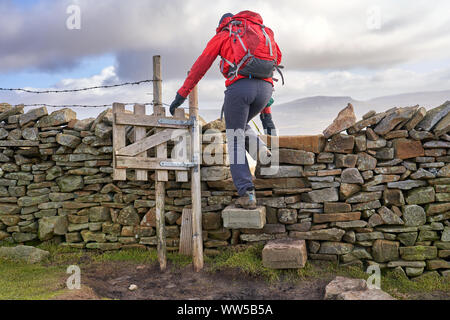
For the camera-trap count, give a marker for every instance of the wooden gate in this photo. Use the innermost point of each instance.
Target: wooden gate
(154, 132)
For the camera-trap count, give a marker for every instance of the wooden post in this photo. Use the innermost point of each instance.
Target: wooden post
(196, 189)
(119, 141)
(161, 176)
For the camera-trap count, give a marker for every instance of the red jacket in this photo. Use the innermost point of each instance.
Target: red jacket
(219, 45)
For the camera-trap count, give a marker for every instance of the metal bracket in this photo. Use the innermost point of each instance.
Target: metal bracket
(178, 164)
(176, 122)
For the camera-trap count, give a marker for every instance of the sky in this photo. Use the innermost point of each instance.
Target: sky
(362, 49)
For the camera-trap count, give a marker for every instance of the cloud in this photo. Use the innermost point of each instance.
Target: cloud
(313, 35)
(328, 48)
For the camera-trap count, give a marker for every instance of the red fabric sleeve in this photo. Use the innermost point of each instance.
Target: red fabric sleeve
(279, 55)
(202, 64)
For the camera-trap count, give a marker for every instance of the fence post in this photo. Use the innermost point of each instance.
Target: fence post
(196, 190)
(160, 176)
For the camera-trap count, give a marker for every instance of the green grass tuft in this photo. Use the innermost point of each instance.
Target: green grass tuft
(19, 281)
(130, 255)
(248, 261)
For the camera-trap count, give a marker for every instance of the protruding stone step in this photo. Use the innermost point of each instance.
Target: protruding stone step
(285, 254)
(314, 143)
(239, 218)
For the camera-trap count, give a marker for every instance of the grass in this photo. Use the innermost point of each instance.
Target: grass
(248, 261)
(46, 280)
(398, 285)
(20, 281)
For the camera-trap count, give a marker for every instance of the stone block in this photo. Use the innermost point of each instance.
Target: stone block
(314, 143)
(345, 119)
(238, 218)
(385, 250)
(335, 217)
(284, 254)
(340, 143)
(407, 148)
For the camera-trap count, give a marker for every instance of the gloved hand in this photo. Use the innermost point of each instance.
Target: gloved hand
(268, 125)
(179, 100)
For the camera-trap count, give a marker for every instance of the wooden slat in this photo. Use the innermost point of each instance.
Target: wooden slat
(145, 163)
(150, 142)
(139, 133)
(181, 147)
(18, 143)
(145, 121)
(186, 232)
(196, 190)
(160, 187)
(161, 149)
(118, 141)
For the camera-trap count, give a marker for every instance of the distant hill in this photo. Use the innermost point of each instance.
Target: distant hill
(312, 115)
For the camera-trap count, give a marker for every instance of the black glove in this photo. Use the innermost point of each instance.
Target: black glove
(179, 100)
(268, 125)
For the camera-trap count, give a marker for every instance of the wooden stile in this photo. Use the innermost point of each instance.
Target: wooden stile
(145, 132)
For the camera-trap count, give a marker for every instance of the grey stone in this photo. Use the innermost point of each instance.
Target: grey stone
(338, 248)
(50, 226)
(351, 175)
(32, 115)
(407, 184)
(70, 183)
(324, 195)
(421, 195)
(414, 215)
(57, 118)
(26, 254)
(433, 116)
(332, 234)
(389, 217)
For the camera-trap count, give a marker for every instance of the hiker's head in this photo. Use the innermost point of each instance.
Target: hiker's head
(226, 15)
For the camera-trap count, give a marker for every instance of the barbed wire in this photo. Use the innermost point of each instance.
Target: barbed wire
(81, 89)
(91, 106)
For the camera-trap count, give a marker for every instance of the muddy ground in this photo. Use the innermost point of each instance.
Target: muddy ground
(111, 280)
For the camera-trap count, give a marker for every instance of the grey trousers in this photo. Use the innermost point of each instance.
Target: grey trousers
(244, 99)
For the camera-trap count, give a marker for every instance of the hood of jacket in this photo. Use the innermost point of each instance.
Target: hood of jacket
(248, 15)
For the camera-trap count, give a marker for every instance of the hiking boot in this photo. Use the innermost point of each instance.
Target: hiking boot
(248, 201)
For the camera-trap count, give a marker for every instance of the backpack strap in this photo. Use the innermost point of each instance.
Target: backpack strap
(278, 68)
(268, 42)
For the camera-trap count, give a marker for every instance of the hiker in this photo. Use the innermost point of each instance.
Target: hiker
(249, 57)
(266, 119)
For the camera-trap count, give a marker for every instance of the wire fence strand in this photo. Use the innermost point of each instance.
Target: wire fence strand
(90, 106)
(84, 89)
(80, 89)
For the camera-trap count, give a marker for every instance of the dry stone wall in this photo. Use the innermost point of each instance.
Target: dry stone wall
(374, 191)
